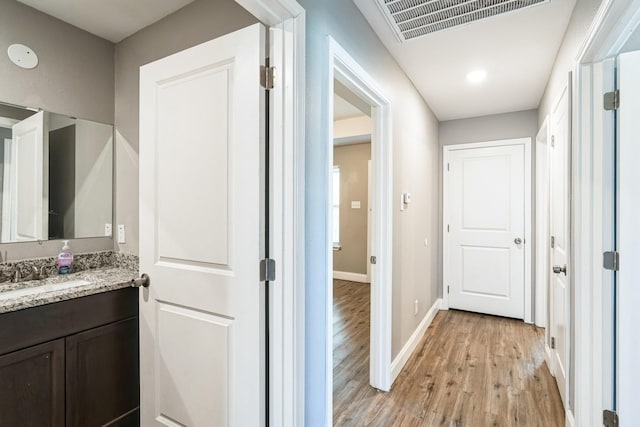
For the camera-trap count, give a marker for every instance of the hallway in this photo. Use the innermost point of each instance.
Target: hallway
(469, 370)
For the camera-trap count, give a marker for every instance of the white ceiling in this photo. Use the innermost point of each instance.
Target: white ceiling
(113, 20)
(342, 109)
(516, 49)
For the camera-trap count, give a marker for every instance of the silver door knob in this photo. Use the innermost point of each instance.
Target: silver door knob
(557, 269)
(517, 240)
(143, 281)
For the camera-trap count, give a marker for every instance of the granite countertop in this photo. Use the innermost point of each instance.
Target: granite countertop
(18, 296)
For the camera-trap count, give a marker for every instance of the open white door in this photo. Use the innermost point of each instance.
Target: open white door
(560, 195)
(485, 195)
(202, 340)
(628, 231)
(28, 181)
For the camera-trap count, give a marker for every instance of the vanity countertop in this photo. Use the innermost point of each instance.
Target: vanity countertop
(18, 296)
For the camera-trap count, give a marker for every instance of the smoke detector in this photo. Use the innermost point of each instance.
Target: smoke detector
(23, 56)
(410, 19)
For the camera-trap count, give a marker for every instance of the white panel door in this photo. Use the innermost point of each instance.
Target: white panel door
(202, 340)
(560, 195)
(485, 195)
(628, 278)
(29, 180)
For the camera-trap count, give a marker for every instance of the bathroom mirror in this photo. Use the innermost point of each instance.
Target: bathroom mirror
(55, 176)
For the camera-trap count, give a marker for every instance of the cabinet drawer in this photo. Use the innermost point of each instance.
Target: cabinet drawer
(24, 328)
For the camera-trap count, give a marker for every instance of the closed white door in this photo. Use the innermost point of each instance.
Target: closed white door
(560, 195)
(485, 229)
(202, 340)
(628, 232)
(29, 180)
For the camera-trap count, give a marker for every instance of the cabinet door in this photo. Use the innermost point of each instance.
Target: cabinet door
(103, 378)
(32, 386)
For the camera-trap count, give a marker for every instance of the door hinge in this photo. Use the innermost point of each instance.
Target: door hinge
(373, 260)
(612, 100)
(448, 289)
(267, 77)
(611, 261)
(610, 418)
(448, 166)
(553, 242)
(267, 270)
(553, 343)
(448, 228)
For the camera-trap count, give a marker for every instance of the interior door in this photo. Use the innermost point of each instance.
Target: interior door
(560, 192)
(628, 232)
(28, 176)
(202, 343)
(485, 195)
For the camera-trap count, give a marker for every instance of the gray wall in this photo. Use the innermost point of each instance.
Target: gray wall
(353, 161)
(574, 37)
(415, 163)
(490, 128)
(633, 43)
(74, 77)
(201, 21)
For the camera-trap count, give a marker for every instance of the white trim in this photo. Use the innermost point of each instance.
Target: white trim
(609, 31)
(568, 418)
(287, 202)
(541, 244)
(528, 291)
(351, 277)
(342, 67)
(548, 359)
(410, 346)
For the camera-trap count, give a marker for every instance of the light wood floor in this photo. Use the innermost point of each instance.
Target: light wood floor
(469, 370)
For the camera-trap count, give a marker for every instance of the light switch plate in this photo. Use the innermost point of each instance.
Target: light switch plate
(121, 234)
(108, 230)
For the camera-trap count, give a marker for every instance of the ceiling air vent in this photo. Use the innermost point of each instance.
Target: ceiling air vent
(415, 18)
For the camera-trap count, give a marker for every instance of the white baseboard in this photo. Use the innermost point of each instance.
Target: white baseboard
(408, 349)
(569, 421)
(351, 277)
(547, 358)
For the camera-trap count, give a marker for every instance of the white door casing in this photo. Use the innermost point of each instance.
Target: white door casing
(542, 224)
(560, 190)
(487, 193)
(29, 180)
(201, 233)
(628, 232)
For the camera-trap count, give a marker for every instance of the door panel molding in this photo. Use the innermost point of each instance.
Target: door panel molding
(448, 151)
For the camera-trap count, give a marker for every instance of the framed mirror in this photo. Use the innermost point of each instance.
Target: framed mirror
(56, 175)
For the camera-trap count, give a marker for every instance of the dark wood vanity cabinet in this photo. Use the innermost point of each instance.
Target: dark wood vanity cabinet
(84, 374)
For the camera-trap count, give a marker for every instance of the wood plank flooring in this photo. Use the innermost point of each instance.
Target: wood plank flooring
(468, 370)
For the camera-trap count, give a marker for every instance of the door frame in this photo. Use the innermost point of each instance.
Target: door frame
(286, 205)
(526, 143)
(342, 67)
(611, 28)
(541, 244)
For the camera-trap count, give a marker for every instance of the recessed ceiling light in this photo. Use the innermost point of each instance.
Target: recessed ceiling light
(476, 76)
(23, 56)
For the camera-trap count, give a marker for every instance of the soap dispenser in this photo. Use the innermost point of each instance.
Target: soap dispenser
(65, 259)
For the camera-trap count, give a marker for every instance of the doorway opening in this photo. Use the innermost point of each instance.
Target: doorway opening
(354, 86)
(350, 206)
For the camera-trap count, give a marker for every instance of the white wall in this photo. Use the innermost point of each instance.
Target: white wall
(415, 162)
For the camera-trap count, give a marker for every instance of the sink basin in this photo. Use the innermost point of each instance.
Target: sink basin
(52, 287)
